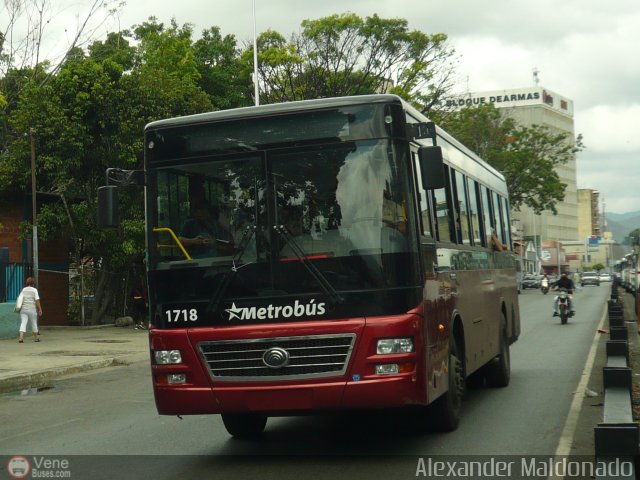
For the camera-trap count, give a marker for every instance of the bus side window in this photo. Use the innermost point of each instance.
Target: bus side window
(424, 208)
(497, 218)
(506, 220)
(444, 214)
(485, 205)
(474, 211)
(461, 210)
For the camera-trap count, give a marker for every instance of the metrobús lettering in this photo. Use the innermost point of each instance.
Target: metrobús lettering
(271, 312)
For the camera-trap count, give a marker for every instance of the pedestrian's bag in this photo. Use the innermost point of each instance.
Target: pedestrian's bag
(18, 306)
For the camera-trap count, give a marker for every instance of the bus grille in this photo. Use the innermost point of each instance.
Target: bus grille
(307, 357)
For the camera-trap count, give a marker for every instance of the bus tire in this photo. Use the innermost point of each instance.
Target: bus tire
(248, 426)
(498, 371)
(445, 412)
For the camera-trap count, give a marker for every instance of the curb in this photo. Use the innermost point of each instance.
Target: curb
(617, 437)
(78, 327)
(33, 380)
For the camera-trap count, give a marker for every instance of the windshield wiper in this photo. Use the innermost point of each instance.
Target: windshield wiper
(311, 268)
(249, 232)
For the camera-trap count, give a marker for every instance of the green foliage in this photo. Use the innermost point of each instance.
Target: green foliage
(345, 54)
(222, 73)
(633, 239)
(527, 156)
(88, 116)
(114, 51)
(598, 267)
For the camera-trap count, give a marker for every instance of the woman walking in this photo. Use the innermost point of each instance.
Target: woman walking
(30, 311)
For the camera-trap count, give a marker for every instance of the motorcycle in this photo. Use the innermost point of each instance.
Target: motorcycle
(544, 286)
(564, 307)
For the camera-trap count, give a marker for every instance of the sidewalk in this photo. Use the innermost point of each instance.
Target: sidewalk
(66, 350)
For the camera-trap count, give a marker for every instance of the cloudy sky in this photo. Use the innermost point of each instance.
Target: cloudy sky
(585, 50)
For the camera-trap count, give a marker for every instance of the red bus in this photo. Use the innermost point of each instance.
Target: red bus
(323, 255)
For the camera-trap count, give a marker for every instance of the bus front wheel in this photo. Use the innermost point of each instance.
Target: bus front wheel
(446, 410)
(247, 426)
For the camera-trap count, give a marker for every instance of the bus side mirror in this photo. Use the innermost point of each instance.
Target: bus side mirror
(108, 207)
(431, 167)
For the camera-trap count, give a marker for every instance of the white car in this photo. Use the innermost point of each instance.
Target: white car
(605, 277)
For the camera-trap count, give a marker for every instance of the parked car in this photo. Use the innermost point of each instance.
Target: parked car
(590, 278)
(531, 281)
(605, 277)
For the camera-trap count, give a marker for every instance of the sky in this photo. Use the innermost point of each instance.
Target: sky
(584, 50)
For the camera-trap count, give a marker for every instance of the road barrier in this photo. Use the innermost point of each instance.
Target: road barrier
(617, 437)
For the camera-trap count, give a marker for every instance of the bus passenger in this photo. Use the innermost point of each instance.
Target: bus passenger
(496, 244)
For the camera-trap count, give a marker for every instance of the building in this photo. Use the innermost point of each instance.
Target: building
(553, 256)
(538, 106)
(588, 213)
(529, 259)
(595, 245)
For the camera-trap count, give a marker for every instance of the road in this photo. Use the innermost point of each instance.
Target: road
(90, 417)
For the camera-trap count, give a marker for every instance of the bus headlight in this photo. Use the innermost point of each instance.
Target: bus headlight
(394, 345)
(167, 357)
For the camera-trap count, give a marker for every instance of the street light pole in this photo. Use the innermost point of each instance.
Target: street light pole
(255, 58)
(34, 240)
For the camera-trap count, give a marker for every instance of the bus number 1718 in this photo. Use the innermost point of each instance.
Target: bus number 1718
(184, 315)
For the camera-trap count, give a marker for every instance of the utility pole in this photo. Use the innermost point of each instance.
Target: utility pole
(34, 240)
(255, 58)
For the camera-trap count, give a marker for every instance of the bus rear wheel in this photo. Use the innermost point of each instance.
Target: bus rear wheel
(248, 426)
(498, 371)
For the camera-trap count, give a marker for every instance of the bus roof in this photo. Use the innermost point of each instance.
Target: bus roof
(300, 105)
(274, 109)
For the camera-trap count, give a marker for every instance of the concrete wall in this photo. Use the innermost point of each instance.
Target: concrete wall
(9, 321)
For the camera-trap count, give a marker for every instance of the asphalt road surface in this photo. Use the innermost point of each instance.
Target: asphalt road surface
(104, 423)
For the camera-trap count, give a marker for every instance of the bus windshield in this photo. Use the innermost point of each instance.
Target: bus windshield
(282, 222)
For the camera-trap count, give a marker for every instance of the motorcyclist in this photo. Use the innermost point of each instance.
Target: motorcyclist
(544, 283)
(564, 283)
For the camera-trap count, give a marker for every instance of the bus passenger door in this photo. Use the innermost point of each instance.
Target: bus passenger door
(435, 314)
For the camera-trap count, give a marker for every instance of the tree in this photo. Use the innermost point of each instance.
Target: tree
(527, 156)
(89, 116)
(633, 238)
(165, 80)
(76, 119)
(24, 30)
(347, 55)
(222, 75)
(598, 267)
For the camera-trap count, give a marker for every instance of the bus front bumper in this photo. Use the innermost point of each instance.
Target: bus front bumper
(386, 392)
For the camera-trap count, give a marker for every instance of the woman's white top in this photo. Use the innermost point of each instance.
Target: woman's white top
(29, 297)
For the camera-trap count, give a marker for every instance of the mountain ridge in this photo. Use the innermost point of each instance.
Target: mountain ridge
(620, 224)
